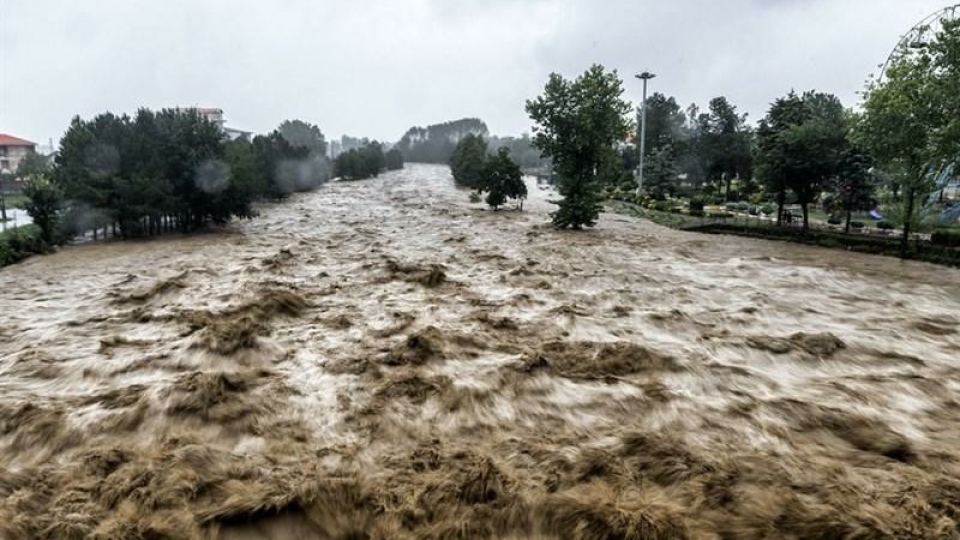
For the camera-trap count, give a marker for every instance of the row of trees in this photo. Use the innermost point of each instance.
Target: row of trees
(167, 170)
(496, 175)
(808, 148)
(436, 143)
(366, 162)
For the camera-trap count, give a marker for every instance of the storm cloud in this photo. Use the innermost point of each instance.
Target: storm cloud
(374, 68)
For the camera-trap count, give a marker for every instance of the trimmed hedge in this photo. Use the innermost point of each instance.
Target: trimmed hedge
(946, 237)
(20, 243)
(946, 254)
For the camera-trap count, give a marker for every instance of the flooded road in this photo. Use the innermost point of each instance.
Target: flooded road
(382, 359)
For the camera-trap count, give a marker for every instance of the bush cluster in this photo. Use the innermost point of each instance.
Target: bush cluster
(20, 243)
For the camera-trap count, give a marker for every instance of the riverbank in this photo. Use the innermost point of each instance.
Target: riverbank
(877, 244)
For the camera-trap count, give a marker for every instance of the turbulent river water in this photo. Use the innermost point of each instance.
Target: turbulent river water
(383, 359)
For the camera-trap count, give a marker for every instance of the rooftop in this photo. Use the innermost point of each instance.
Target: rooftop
(10, 140)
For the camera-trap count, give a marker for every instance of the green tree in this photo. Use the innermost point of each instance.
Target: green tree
(467, 162)
(660, 175)
(374, 162)
(394, 160)
(852, 189)
(910, 122)
(33, 164)
(44, 202)
(304, 135)
(436, 143)
(501, 179)
(578, 124)
(360, 163)
(665, 125)
(800, 145)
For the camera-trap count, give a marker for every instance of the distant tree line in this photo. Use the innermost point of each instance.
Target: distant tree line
(900, 151)
(436, 143)
(367, 161)
(496, 175)
(168, 170)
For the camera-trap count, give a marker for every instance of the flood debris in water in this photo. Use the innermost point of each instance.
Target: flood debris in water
(322, 392)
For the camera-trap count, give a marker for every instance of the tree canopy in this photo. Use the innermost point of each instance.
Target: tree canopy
(171, 168)
(360, 163)
(436, 143)
(467, 161)
(800, 145)
(911, 122)
(578, 124)
(501, 179)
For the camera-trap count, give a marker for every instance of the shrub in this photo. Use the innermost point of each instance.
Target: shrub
(946, 237)
(697, 213)
(768, 209)
(754, 210)
(743, 206)
(20, 243)
(662, 206)
(885, 225)
(835, 221)
(474, 196)
(730, 206)
(856, 225)
(719, 215)
(696, 205)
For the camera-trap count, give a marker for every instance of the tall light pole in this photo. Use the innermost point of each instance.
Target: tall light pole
(645, 76)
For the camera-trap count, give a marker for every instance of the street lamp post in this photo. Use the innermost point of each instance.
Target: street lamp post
(645, 76)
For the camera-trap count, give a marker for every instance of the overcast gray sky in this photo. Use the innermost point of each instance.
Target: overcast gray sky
(374, 68)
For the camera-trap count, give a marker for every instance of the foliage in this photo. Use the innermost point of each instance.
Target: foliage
(19, 243)
(800, 146)
(175, 168)
(852, 188)
(394, 160)
(910, 122)
(660, 176)
(467, 162)
(33, 164)
(521, 149)
(44, 202)
(665, 124)
(719, 145)
(577, 125)
(361, 163)
(436, 143)
(502, 179)
(301, 134)
(946, 237)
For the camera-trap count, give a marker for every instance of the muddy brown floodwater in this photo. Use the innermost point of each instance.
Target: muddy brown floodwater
(381, 359)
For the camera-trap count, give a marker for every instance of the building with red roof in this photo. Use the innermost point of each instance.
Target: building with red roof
(12, 150)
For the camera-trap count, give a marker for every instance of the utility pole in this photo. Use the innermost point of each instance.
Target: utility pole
(645, 76)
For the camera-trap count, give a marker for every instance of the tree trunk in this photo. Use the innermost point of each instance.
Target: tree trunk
(908, 217)
(780, 201)
(729, 185)
(806, 216)
(849, 217)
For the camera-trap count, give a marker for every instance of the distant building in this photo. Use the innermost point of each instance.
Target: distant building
(216, 116)
(12, 150)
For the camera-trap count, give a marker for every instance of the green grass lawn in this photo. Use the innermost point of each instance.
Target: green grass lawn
(662, 218)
